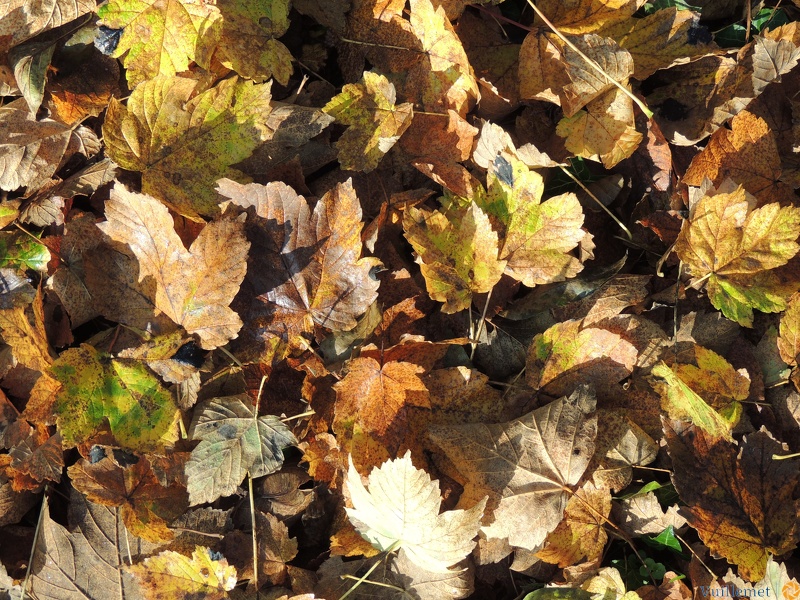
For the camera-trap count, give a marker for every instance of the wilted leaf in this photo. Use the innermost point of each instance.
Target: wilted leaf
(735, 248)
(457, 252)
(375, 122)
(182, 142)
(158, 38)
(206, 574)
(235, 442)
(308, 270)
(140, 412)
(740, 500)
(39, 456)
(401, 510)
(585, 16)
(525, 465)
(194, 287)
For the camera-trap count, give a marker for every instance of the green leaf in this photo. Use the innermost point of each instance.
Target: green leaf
(181, 142)
(235, 442)
(559, 594)
(22, 251)
(140, 412)
(667, 539)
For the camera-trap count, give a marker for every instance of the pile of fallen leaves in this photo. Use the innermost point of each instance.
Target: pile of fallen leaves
(375, 298)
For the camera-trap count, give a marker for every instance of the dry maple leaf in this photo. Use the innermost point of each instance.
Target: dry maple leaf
(401, 510)
(193, 287)
(305, 268)
(735, 248)
(740, 500)
(146, 505)
(789, 339)
(526, 466)
(747, 153)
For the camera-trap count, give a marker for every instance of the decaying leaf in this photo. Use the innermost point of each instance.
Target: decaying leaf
(401, 510)
(525, 465)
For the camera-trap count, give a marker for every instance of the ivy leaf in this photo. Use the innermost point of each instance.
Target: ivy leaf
(525, 465)
(194, 287)
(375, 122)
(158, 38)
(401, 510)
(235, 442)
(183, 139)
(736, 248)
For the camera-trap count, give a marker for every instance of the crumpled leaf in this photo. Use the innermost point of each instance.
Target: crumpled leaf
(206, 574)
(181, 142)
(735, 248)
(158, 37)
(524, 465)
(22, 20)
(235, 442)
(739, 499)
(457, 252)
(585, 16)
(305, 266)
(643, 515)
(141, 414)
(401, 510)
(193, 287)
(374, 122)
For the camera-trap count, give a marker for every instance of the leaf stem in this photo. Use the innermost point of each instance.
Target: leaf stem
(364, 577)
(590, 62)
(480, 325)
(597, 200)
(253, 527)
